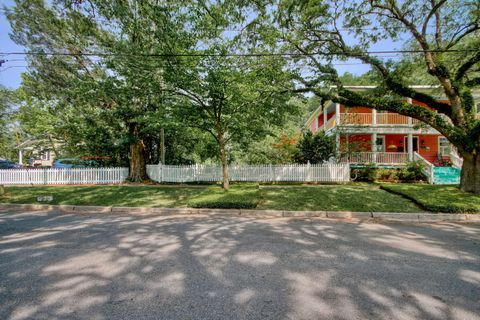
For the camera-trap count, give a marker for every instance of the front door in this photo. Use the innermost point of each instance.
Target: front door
(415, 144)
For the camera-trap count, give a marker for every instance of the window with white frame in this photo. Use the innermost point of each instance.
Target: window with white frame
(444, 147)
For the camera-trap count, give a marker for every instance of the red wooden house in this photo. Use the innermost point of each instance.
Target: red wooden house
(366, 135)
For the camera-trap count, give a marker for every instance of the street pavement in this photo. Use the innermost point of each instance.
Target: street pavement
(120, 266)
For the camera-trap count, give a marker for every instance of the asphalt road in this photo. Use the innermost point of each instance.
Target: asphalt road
(66, 266)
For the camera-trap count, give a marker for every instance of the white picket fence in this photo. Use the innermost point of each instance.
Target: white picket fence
(265, 173)
(63, 176)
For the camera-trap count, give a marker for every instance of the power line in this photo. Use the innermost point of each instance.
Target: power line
(221, 55)
(6, 68)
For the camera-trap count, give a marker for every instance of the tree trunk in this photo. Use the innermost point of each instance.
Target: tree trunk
(470, 179)
(138, 171)
(223, 158)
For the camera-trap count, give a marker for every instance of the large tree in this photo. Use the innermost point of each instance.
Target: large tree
(235, 100)
(101, 59)
(445, 36)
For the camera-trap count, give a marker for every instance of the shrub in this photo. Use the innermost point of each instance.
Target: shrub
(384, 174)
(367, 173)
(314, 148)
(223, 204)
(413, 171)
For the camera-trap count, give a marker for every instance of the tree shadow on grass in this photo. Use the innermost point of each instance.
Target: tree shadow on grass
(64, 266)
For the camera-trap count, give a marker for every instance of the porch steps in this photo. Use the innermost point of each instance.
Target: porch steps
(446, 175)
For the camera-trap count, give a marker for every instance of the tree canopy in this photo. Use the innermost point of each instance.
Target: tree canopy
(116, 72)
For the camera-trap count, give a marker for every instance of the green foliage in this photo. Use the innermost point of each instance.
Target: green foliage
(370, 78)
(8, 100)
(315, 149)
(413, 171)
(365, 173)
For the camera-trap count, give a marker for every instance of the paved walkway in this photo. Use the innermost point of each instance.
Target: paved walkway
(121, 266)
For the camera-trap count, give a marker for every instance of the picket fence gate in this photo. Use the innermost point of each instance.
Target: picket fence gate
(337, 173)
(63, 176)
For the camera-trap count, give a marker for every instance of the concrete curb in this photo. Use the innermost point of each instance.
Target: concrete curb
(384, 216)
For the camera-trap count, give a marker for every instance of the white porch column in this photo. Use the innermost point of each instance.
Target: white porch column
(410, 146)
(374, 147)
(20, 156)
(347, 146)
(374, 117)
(409, 101)
(325, 115)
(337, 113)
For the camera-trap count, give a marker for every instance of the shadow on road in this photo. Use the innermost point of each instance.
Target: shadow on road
(59, 266)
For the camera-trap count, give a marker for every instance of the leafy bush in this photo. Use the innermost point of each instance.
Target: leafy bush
(413, 171)
(367, 173)
(384, 174)
(223, 204)
(314, 148)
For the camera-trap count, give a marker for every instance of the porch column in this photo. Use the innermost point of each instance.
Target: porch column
(325, 115)
(347, 146)
(374, 147)
(409, 121)
(20, 156)
(337, 113)
(374, 117)
(410, 146)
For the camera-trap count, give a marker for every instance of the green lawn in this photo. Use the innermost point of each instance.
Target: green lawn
(334, 197)
(121, 196)
(438, 198)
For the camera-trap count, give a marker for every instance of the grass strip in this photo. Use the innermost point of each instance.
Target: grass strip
(437, 198)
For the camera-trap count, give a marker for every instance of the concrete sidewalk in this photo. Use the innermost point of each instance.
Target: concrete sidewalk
(387, 216)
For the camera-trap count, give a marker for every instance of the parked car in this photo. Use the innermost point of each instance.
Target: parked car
(7, 164)
(74, 163)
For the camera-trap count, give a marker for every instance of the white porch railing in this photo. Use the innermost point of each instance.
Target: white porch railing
(428, 167)
(388, 118)
(391, 118)
(356, 118)
(63, 176)
(384, 158)
(457, 162)
(265, 173)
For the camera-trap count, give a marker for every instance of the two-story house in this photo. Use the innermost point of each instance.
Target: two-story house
(365, 135)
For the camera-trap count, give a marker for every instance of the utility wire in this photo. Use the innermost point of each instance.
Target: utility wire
(264, 54)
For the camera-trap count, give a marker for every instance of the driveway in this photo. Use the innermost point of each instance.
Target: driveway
(105, 266)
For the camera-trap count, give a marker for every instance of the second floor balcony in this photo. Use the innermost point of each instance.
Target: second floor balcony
(387, 122)
(387, 118)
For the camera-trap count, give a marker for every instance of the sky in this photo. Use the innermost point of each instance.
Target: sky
(10, 71)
